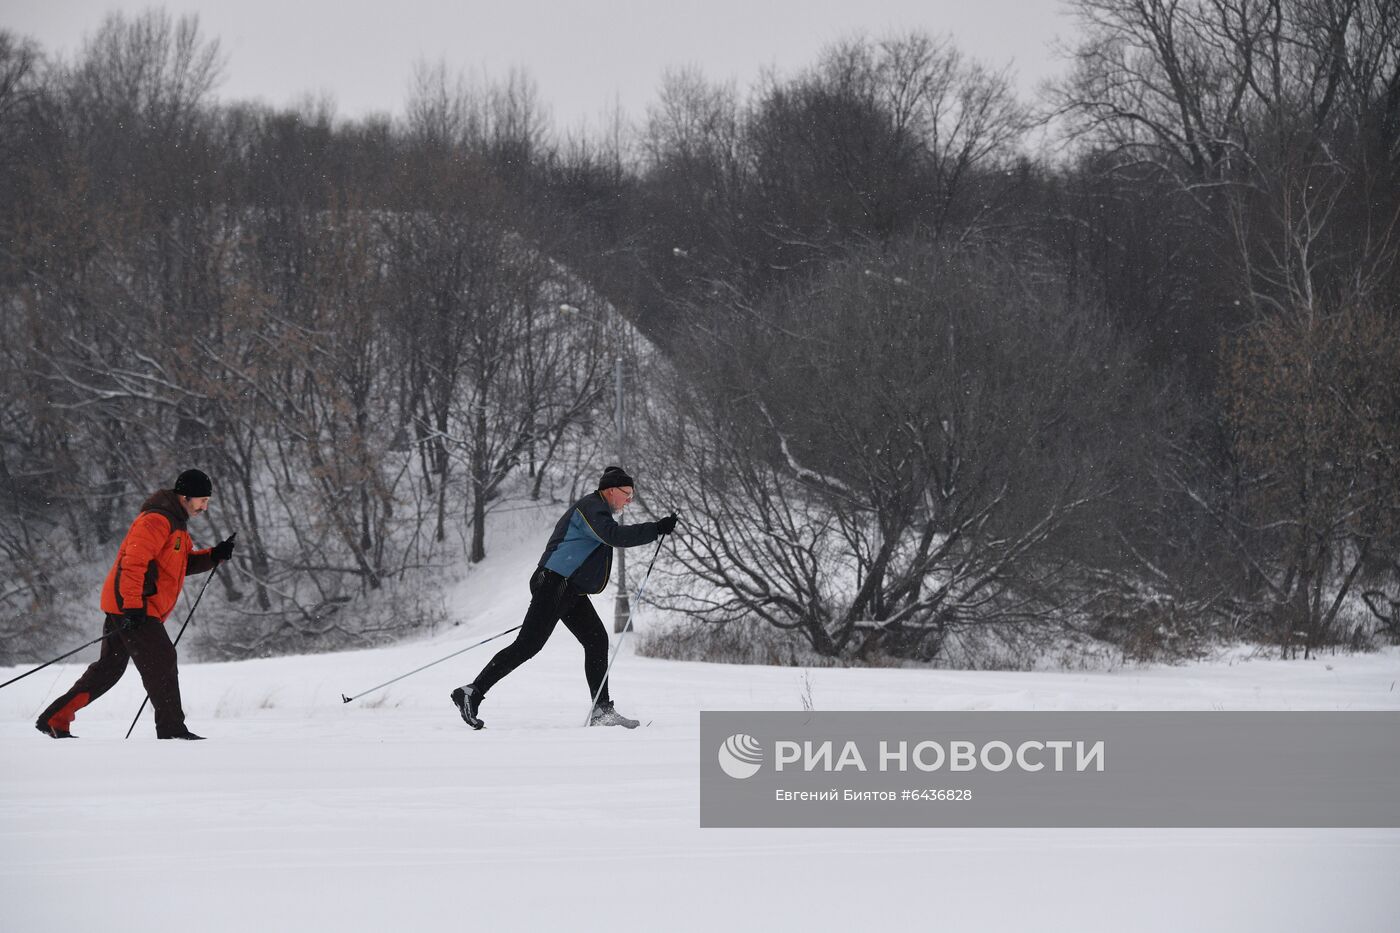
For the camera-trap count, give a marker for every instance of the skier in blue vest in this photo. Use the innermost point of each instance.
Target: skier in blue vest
(576, 563)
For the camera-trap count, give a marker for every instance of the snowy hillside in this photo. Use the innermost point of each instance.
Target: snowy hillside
(303, 813)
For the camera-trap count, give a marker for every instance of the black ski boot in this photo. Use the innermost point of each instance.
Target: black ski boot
(466, 699)
(605, 715)
(53, 733)
(182, 734)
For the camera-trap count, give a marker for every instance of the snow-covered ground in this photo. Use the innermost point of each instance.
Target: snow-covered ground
(303, 813)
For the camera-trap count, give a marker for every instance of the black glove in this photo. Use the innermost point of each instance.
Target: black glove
(133, 617)
(224, 549)
(666, 525)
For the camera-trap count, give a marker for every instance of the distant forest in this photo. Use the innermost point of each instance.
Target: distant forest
(929, 371)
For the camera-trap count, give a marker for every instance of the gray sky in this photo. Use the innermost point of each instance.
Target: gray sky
(585, 56)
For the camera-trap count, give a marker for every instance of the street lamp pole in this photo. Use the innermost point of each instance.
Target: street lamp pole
(622, 609)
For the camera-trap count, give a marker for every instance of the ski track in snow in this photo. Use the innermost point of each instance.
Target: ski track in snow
(304, 813)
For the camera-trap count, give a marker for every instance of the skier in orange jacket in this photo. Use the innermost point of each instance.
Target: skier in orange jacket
(141, 589)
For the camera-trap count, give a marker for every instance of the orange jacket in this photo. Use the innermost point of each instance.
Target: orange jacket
(154, 557)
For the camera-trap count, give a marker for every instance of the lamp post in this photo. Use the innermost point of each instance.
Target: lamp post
(622, 608)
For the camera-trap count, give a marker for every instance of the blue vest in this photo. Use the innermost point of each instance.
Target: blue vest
(580, 549)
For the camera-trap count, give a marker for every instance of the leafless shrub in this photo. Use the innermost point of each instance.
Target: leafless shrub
(904, 451)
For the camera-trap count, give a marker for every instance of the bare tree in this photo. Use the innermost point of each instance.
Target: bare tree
(1313, 408)
(19, 59)
(903, 452)
(1275, 120)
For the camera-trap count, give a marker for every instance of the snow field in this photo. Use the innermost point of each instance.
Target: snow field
(304, 813)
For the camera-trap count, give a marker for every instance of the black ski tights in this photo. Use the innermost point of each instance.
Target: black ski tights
(552, 600)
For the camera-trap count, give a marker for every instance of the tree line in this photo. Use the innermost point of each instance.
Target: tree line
(354, 327)
(920, 389)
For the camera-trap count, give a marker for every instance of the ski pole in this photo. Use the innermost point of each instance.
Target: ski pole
(55, 660)
(208, 581)
(618, 647)
(454, 654)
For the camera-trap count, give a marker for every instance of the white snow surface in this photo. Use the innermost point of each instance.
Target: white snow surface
(304, 813)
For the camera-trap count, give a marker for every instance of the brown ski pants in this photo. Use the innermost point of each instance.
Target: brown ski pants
(148, 645)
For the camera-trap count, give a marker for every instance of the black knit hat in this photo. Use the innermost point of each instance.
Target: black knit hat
(614, 476)
(193, 484)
